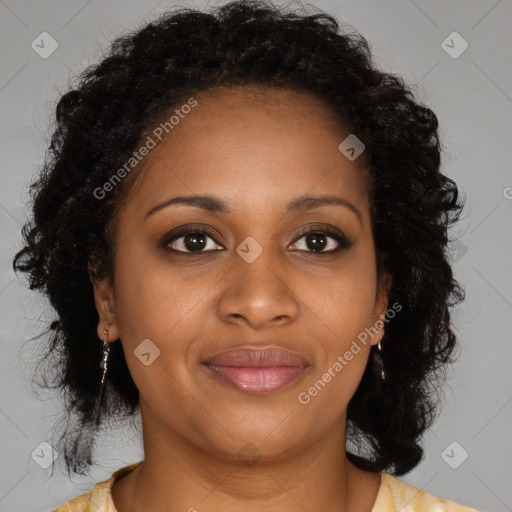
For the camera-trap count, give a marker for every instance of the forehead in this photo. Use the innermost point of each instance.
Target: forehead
(251, 143)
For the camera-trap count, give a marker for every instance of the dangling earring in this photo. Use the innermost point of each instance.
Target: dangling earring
(382, 373)
(103, 366)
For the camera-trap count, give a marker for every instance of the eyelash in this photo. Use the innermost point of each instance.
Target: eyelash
(343, 242)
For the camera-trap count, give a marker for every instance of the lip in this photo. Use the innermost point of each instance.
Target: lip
(257, 370)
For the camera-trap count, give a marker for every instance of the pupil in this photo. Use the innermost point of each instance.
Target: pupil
(196, 241)
(192, 239)
(318, 241)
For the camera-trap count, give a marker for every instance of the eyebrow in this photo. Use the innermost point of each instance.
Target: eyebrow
(216, 205)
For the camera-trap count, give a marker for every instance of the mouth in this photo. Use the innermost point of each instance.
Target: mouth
(257, 371)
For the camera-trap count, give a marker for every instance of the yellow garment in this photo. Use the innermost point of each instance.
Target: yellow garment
(393, 496)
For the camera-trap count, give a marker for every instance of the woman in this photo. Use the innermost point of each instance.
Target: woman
(242, 227)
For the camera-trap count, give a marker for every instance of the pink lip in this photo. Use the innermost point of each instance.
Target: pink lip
(257, 371)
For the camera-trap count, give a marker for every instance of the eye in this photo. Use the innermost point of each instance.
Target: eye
(317, 240)
(195, 240)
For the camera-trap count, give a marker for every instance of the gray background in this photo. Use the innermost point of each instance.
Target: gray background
(470, 94)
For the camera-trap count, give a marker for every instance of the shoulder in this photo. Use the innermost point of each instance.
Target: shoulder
(100, 497)
(97, 499)
(395, 495)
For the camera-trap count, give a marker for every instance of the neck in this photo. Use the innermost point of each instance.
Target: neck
(181, 475)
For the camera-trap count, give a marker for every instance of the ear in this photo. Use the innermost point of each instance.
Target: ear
(104, 302)
(381, 306)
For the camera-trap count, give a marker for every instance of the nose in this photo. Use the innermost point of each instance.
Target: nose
(258, 293)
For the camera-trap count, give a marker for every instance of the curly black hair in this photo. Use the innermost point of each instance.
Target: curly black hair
(148, 72)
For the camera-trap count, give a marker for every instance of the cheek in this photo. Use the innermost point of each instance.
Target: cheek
(343, 309)
(158, 301)
(344, 302)
(155, 302)
(344, 314)
(151, 297)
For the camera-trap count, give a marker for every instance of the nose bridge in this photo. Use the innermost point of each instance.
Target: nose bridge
(259, 264)
(257, 288)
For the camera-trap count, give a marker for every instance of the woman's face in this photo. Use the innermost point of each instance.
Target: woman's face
(255, 279)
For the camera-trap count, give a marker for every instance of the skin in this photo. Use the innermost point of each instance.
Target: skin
(256, 150)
